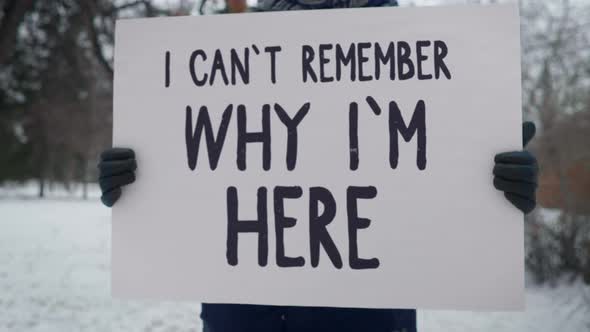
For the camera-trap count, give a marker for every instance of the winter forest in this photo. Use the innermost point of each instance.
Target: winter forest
(56, 71)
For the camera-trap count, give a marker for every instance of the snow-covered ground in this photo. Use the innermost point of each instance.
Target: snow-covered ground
(55, 276)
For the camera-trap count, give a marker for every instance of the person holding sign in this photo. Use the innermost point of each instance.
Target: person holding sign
(515, 173)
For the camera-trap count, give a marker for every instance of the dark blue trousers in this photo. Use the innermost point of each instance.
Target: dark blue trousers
(261, 318)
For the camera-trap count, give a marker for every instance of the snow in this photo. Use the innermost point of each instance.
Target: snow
(55, 272)
(55, 276)
(562, 308)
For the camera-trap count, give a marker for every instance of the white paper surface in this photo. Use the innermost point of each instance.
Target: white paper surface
(444, 237)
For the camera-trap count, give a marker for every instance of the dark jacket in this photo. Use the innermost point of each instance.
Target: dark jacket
(261, 318)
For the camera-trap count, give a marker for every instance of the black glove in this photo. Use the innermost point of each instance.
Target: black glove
(116, 166)
(515, 173)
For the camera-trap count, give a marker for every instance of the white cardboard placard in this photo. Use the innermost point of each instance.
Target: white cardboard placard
(443, 236)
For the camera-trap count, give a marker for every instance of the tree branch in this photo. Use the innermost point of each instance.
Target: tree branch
(89, 12)
(13, 14)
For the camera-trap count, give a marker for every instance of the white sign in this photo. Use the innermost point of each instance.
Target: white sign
(320, 158)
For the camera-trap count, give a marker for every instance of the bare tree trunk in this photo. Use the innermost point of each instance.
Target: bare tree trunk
(85, 179)
(41, 187)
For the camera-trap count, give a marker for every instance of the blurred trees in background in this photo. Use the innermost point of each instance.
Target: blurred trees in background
(556, 96)
(56, 104)
(56, 85)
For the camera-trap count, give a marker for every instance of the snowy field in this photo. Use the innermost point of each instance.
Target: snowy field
(55, 276)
